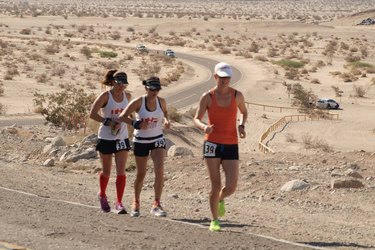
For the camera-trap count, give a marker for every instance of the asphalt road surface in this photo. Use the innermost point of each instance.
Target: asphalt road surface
(191, 94)
(181, 99)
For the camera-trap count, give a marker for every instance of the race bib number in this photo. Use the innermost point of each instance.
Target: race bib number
(160, 143)
(121, 145)
(209, 149)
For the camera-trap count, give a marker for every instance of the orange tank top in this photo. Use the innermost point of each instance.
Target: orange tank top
(224, 121)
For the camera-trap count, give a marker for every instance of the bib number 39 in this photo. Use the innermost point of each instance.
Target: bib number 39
(209, 149)
(160, 143)
(121, 145)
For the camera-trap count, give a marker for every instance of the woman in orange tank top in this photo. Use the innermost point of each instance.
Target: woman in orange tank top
(220, 148)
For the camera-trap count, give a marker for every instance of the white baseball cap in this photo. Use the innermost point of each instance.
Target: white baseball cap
(223, 70)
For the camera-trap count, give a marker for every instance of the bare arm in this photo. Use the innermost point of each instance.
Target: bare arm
(99, 102)
(201, 110)
(243, 110)
(163, 103)
(126, 114)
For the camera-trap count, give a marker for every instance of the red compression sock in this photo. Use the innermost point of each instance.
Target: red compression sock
(120, 186)
(103, 182)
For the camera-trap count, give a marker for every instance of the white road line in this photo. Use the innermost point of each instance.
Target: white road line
(171, 220)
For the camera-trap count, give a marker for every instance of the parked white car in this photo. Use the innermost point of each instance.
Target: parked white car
(325, 103)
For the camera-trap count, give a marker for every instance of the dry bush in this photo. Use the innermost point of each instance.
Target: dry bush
(67, 109)
(338, 91)
(173, 114)
(10, 73)
(115, 35)
(58, 70)
(1, 89)
(261, 58)
(292, 74)
(86, 51)
(347, 77)
(359, 91)
(302, 98)
(52, 48)
(272, 52)
(344, 46)
(245, 53)
(352, 58)
(3, 109)
(290, 138)
(25, 31)
(42, 78)
(224, 51)
(191, 112)
(254, 47)
(315, 143)
(315, 81)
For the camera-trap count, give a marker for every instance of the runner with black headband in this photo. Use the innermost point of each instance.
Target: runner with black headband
(112, 135)
(151, 117)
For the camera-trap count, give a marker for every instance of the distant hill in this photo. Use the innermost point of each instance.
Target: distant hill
(354, 19)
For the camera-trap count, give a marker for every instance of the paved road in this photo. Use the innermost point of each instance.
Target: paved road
(190, 95)
(181, 99)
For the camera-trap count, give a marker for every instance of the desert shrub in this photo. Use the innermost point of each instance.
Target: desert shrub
(290, 138)
(338, 91)
(352, 58)
(359, 91)
(173, 114)
(130, 29)
(272, 52)
(302, 98)
(107, 54)
(348, 77)
(254, 47)
(292, 74)
(364, 52)
(224, 51)
(261, 58)
(1, 89)
(67, 109)
(315, 81)
(115, 35)
(289, 63)
(57, 70)
(52, 49)
(86, 51)
(25, 31)
(315, 143)
(344, 46)
(42, 78)
(2, 109)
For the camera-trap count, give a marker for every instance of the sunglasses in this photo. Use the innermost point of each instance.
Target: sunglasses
(154, 90)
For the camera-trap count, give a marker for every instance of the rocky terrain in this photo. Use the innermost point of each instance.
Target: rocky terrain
(329, 204)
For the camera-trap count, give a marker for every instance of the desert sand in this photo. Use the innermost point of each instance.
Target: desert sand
(48, 47)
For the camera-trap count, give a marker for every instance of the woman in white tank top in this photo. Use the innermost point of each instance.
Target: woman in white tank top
(112, 135)
(151, 116)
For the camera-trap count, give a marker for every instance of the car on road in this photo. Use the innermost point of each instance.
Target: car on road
(170, 53)
(326, 103)
(141, 48)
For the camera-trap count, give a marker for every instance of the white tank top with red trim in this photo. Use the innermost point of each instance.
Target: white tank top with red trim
(112, 110)
(155, 119)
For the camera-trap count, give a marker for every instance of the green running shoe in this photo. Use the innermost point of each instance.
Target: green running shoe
(221, 209)
(215, 226)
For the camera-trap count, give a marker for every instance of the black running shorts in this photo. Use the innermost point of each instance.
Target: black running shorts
(144, 149)
(222, 151)
(111, 147)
